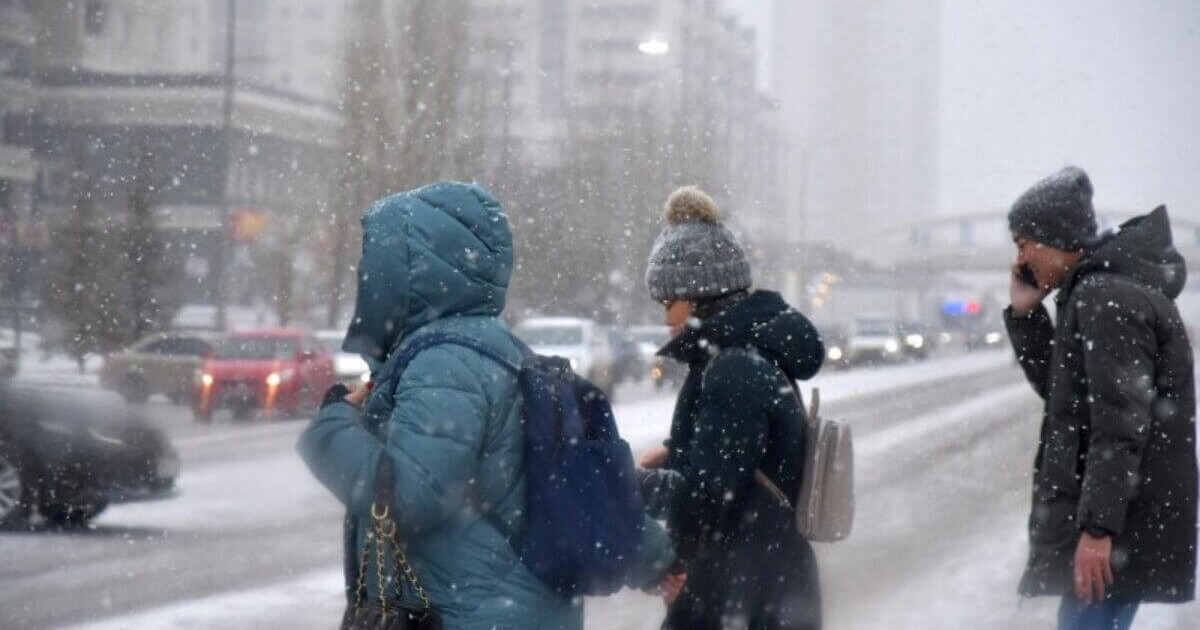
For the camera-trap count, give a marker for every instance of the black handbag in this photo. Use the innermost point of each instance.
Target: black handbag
(387, 613)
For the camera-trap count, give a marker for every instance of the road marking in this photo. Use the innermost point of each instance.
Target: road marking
(860, 383)
(879, 442)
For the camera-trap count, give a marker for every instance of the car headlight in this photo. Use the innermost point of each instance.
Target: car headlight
(835, 353)
(993, 338)
(891, 345)
(915, 341)
(203, 378)
(275, 378)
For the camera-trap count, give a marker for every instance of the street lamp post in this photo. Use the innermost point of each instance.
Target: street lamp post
(220, 269)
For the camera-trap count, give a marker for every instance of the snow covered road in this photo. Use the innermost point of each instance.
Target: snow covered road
(944, 451)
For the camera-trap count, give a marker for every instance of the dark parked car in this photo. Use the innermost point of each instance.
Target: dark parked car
(919, 340)
(67, 457)
(837, 347)
(627, 357)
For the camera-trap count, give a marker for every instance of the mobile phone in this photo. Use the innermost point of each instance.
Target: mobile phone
(1025, 274)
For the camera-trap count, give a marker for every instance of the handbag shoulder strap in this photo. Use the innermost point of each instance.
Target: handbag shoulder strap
(812, 422)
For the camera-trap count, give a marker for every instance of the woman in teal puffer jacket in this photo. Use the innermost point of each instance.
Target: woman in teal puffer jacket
(438, 260)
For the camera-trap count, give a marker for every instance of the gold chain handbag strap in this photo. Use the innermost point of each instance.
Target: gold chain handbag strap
(385, 529)
(382, 529)
(380, 535)
(360, 587)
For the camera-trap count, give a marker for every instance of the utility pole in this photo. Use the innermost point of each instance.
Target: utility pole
(220, 266)
(506, 127)
(14, 263)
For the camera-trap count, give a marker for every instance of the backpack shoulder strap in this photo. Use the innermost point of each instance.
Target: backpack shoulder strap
(383, 472)
(424, 342)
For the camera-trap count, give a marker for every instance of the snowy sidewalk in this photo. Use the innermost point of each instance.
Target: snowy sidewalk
(57, 370)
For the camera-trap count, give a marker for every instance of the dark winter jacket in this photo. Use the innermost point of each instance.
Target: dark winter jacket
(1118, 441)
(737, 413)
(438, 260)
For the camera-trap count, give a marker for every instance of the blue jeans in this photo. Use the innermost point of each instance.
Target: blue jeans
(1073, 615)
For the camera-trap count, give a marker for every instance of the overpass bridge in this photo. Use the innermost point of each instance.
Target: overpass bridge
(928, 263)
(982, 242)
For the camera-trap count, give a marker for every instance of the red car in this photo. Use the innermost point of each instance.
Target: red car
(270, 370)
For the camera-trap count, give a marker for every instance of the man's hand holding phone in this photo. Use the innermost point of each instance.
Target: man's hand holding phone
(655, 457)
(1024, 292)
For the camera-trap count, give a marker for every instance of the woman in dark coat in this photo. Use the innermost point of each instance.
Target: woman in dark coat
(737, 413)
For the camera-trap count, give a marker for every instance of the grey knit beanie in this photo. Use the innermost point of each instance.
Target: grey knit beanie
(1057, 211)
(695, 256)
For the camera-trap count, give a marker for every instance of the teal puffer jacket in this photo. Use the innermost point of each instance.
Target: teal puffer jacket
(439, 259)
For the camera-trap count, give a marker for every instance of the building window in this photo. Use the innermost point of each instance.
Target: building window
(16, 61)
(95, 17)
(17, 129)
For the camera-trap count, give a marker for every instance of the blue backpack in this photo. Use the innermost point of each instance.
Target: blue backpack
(584, 513)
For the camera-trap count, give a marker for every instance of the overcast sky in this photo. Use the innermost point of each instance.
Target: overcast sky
(1110, 85)
(1113, 86)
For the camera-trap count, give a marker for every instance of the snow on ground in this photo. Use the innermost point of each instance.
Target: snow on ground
(836, 386)
(319, 593)
(972, 589)
(917, 430)
(280, 483)
(989, 587)
(270, 485)
(57, 370)
(646, 422)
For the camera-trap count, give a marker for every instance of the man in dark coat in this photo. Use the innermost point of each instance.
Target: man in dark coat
(1114, 497)
(737, 413)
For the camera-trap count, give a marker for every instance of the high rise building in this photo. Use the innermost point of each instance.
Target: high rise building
(287, 46)
(857, 82)
(135, 91)
(512, 89)
(110, 36)
(553, 72)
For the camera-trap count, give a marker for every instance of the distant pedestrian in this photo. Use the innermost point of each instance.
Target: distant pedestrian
(448, 431)
(1114, 494)
(742, 563)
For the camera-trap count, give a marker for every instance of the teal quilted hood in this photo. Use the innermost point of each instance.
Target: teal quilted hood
(439, 251)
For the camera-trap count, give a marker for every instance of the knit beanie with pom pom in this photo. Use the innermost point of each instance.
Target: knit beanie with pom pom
(695, 257)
